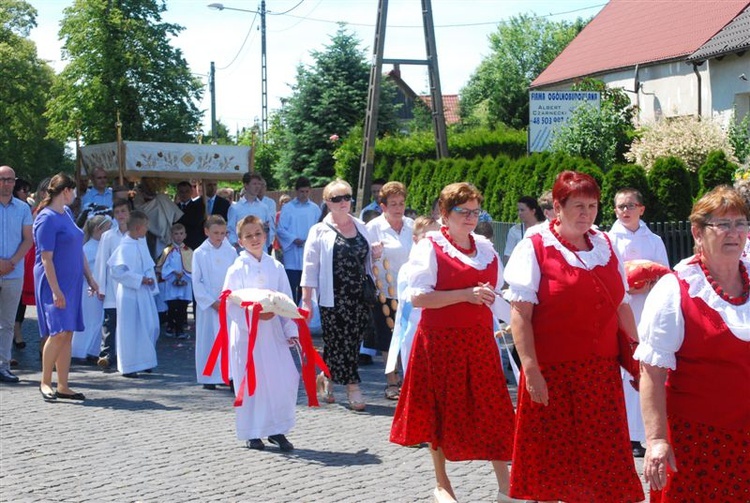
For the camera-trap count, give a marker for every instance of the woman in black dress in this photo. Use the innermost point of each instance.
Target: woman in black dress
(337, 262)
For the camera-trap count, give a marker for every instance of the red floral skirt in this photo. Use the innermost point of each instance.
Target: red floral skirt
(713, 464)
(455, 396)
(577, 448)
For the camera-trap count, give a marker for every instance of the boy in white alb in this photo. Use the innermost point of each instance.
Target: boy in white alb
(211, 260)
(632, 240)
(132, 269)
(270, 412)
(107, 245)
(175, 266)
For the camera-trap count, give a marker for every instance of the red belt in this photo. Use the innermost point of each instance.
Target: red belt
(220, 350)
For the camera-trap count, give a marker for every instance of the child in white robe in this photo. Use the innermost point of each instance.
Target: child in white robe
(132, 268)
(175, 266)
(633, 240)
(270, 412)
(87, 344)
(407, 316)
(211, 260)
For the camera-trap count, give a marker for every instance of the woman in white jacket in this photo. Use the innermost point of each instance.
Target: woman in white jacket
(337, 260)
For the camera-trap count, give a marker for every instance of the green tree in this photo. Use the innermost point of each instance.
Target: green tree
(23, 98)
(223, 137)
(268, 153)
(328, 99)
(717, 170)
(120, 59)
(601, 135)
(520, 49)
(670, 184)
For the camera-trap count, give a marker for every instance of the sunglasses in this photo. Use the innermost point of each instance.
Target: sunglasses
(338, 199)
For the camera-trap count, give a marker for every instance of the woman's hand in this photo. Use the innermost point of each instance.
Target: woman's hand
(536, 386)
(307, 306)
(292, 341)
(658, 455)
(265, 316)
(59, 299)
(376, 249)
(481, 294)
(93, 287)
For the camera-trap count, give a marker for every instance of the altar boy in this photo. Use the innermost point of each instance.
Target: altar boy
(210, 263)
(632, 240)
(132, 268)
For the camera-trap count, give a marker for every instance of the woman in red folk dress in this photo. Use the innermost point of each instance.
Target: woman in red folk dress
(567, 292)
(695, 360)
(454, 395)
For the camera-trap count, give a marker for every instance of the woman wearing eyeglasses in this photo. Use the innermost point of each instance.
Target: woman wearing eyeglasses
(454, 395)
(337, 259)
(567, 292)
(695, 361)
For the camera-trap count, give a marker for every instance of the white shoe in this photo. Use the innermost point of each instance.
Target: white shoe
(504, 498)
(442, 496)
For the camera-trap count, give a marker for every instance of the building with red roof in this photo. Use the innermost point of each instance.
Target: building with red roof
(673, 57)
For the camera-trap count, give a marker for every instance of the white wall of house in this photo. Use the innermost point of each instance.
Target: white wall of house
(728, 90)
(671, 89)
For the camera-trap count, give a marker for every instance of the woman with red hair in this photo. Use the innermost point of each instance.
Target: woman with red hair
(567, 291)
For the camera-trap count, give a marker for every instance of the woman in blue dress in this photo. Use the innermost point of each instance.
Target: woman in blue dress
(59, 269)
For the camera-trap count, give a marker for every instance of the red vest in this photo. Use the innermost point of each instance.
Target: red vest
(452, 274)
(711, 383)
(576, 318)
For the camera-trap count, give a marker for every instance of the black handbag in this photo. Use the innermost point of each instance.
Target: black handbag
(369, 292)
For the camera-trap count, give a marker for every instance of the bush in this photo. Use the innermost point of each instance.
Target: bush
(717, 170)
(686, 138)
(670, 184)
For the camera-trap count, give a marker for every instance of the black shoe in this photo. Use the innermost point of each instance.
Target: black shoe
(48, 397)
(364, 359)
(7, 376)
(131, 375)
(638, 450)
(209, 386)
(281, 442)
(255, 443)
(71, 396)
(19, 344)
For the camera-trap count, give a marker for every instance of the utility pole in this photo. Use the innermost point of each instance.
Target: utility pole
(367, 161)
(212, 90)
(263, 73)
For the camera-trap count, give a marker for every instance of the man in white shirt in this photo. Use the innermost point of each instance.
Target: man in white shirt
(268, 201)
(98, 195)
(250, 204)
(296, 219)
(632, 240)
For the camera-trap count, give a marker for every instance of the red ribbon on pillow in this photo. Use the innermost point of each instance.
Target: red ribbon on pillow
(220, 351)
(310, 358)
(221, 343)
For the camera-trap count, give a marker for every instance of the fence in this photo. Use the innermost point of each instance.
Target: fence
(677, 238)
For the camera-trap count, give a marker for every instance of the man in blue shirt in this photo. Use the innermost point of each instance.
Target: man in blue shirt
(296, 219)
(15, 241)
(98, 198)
(374, 205)
(250, 205)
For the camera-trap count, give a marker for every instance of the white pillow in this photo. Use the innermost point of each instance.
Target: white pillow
(270, 300)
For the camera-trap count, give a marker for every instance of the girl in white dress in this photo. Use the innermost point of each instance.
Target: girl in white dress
(88, 343)
(270, 411)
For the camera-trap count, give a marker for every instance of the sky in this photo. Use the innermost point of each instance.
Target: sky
(294, 28)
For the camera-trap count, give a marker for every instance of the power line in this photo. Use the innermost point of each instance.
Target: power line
(243, 44)
(458, 25)
(286, 11)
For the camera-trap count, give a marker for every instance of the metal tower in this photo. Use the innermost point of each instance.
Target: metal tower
(373, 96)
